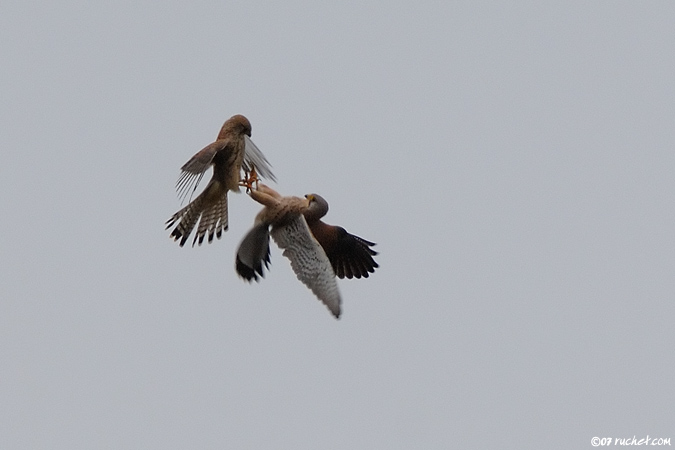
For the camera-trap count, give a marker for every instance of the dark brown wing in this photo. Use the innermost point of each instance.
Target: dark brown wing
(350, 255)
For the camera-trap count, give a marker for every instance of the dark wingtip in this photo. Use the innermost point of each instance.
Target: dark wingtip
(249, 273)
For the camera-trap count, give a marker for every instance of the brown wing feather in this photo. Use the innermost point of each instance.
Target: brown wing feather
(193, 170)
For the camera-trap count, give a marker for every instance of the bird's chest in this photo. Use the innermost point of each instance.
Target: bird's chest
(227, 167)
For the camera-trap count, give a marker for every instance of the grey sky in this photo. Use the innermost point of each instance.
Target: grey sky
(514, 163)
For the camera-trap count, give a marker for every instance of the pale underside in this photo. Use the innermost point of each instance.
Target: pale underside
(308, 261)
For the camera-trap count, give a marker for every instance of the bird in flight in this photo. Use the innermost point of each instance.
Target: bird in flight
(232, 150)
(317, 251)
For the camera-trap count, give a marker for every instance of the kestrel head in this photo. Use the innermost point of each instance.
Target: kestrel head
(236, 124)
(318, 207)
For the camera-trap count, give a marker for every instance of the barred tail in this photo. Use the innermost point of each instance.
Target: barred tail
(209, 209)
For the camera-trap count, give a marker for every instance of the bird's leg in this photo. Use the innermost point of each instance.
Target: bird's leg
(249, 179)
(253, 178)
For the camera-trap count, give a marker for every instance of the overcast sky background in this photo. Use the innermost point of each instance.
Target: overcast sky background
(514, 163)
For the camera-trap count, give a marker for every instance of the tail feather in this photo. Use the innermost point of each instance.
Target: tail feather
(187, 219)
(209, 210)
(213, 221)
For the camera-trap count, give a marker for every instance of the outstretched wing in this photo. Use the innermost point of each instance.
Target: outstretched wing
(351, 256)
(308, 260)
(193, 170)
(253, 157)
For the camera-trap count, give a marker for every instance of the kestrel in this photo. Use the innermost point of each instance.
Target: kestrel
(232, 151)
(292, 219)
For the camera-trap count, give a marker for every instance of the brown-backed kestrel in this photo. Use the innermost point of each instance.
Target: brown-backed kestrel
(232, 151)
(290, 219)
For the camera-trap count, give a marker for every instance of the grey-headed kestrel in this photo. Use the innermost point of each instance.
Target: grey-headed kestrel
(313, 256)
(232, 150)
